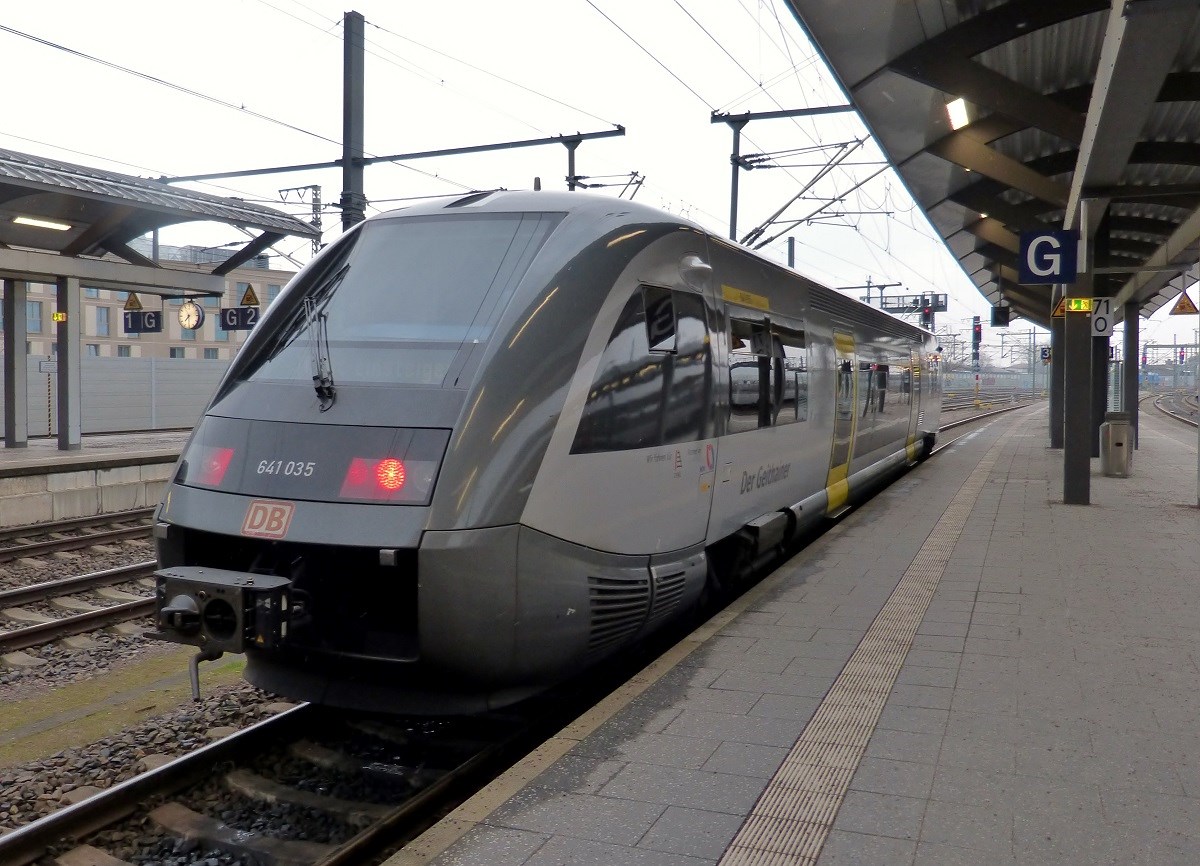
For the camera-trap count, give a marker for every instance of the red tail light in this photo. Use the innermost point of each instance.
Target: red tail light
(213, 464)
(374, 479)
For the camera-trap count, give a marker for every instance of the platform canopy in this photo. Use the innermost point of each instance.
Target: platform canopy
(53, 211)
(1066, 101)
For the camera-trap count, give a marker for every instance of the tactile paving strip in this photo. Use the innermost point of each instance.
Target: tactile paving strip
(791, 820)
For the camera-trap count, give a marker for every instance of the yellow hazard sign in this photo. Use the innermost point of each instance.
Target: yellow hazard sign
(1061, 309)
(133, 302)
(249, 299)
(1184, 306)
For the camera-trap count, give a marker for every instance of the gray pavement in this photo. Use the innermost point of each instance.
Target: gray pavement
(1030, 694)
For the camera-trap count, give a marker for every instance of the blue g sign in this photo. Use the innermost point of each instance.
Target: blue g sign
(1048, 257)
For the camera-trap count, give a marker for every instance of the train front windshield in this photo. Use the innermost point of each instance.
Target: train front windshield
(395, 302)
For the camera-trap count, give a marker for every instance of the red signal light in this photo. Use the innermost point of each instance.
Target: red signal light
(214, 462)
(368, 478)
(389, 474)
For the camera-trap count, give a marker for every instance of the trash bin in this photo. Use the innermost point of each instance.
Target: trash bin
(1116, 445)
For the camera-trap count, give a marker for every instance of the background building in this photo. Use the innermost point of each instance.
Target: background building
(102, 329)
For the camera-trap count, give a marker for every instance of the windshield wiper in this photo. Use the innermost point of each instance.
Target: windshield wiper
(322, 367)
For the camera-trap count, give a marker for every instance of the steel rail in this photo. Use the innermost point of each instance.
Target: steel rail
(28, 843)
(1172, 414)
(79, 583)
(53, 545)
(45, 632)
(71, 523)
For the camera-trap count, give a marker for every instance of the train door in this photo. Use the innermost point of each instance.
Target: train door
(912, 389)
(837, 484)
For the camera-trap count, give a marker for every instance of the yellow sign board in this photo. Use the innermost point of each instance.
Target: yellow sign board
(746, 299)
(1061, 309)
(133, 302)
(249, 299)
(1184, 306)
(58, 317)
(1078, 305)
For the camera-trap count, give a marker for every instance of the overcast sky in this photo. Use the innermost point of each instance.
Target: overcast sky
(237, 84)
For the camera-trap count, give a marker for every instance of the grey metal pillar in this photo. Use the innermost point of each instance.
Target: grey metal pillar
(69, 388)
(1077, 399)
(1056, 372)
(1131, 356)
(353, 201)
(1100, 353)
(736, 159)
(16, 368)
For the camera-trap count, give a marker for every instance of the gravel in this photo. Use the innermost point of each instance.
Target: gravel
(36, 788)
(64, 665)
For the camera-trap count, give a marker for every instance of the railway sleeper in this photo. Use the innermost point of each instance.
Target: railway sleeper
(185, 823)
(256, 787)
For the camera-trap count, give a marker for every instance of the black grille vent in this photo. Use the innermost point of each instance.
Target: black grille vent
(668, 590)
(618, 609)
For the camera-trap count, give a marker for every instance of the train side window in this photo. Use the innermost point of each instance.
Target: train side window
(790, 376)
(660, 319)
(749, 375)
(646, 394)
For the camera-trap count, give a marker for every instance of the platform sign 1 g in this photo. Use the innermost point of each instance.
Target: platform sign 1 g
(1102, 317)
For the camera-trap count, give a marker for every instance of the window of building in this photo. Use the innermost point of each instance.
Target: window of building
(220, 333)
(102, 316)
(210, 354)
(53, 347)
(121, 296)
(177, 352)
(187, 334)
(89, 292)
(210, 301)
(33, 317)
(93, 350)
(124, 352)
(272, 292)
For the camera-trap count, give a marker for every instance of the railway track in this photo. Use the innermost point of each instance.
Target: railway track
(1179, 407)
(92, 531)
(80, 623)
(274, 777)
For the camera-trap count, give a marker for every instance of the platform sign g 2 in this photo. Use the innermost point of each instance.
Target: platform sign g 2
(1048, 256)
(1102, 317)
(239, 318)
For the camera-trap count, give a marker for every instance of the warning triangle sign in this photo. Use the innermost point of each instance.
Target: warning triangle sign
(133, 302)
(1061, 310)
(1184, 306)
(249, 299)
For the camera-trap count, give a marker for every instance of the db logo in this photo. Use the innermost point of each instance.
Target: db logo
(266, 518)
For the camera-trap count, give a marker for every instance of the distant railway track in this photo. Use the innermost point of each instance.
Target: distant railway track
(1182, 412)
(55, 629)
(93, 531)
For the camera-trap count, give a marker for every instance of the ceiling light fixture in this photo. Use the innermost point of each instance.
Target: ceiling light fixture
(957, 112)
(41, 224)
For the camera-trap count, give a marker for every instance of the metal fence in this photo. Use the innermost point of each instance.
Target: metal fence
(119, 394)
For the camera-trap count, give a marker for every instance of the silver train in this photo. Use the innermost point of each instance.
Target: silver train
(477, 446)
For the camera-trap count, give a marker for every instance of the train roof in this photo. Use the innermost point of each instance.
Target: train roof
(590, 204)
(583, 203)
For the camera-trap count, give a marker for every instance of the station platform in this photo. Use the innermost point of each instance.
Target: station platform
(109, 472)
(963, 671)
